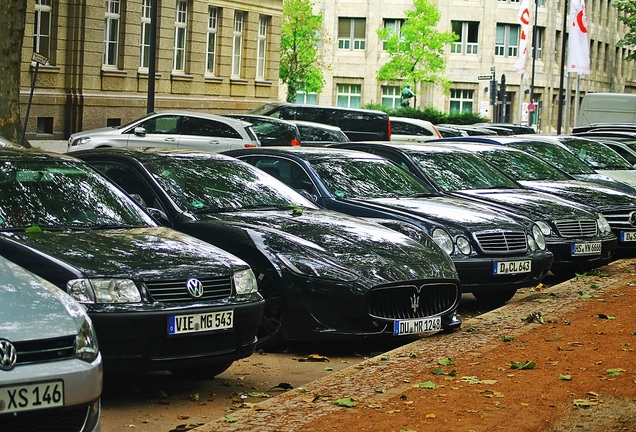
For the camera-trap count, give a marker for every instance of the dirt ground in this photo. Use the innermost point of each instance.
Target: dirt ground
(561, 361)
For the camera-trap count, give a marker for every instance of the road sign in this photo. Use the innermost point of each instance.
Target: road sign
(39, 58)
(531, 107)
(484, 77)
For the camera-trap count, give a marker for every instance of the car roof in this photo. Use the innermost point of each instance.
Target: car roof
(308, 153)
(151, 153)
(411, 120)
(21, 153)
(339, 108)
(315, 124)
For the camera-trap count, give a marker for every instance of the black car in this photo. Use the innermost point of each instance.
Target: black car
(533, 173)
(159, 299)
(271, 131)
(494, 254)
(323, 275)
(578, 236)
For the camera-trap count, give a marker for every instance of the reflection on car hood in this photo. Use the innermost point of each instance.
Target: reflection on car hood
(625, 176)
(147, 253)
(592, 195)
(32, 310)
(608, 181)
(532, 204)
(369, 248)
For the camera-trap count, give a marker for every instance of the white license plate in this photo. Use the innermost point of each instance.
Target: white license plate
(29, 397)
(178, 324)
(512, 267)
(628, 236)
(586, 249)
(416, 326)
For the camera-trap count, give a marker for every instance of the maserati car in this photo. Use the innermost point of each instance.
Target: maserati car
(324, 275)
(494, 254)
(159, 299)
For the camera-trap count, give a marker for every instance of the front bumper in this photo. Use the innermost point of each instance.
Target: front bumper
(565, 262)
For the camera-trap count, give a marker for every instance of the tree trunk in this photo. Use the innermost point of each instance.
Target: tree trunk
(12, 21)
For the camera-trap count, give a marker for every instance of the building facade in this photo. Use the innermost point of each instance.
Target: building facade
(215, 56)
(489, 38)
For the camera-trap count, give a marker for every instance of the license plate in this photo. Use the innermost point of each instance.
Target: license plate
(512, 267)
(628, 236)
(29, 397)
(586, 249)
(179, 324)
(416, 326)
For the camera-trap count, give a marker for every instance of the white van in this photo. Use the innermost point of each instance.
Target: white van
(607, 108)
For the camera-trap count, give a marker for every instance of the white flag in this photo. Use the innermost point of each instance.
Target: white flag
(578, 46)
(524, 21)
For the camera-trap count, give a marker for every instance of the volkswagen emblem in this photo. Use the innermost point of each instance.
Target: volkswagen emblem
(632, 218)
(195, 287)
(8, 355)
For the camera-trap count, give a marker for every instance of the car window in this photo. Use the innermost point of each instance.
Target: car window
(523, 166)
(401, 128)
(556, 155)
(210, 128)
(166, 124)
(597, 155)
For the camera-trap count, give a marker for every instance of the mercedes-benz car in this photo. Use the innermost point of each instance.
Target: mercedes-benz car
(324, 275)
(50, 365)
(159, 299)
(495, 254)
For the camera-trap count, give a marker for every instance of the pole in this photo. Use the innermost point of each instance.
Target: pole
(576, 98)
(152, 58)
(563, 46)
(521, 98)
(534, 57)
(26, 119)
(566, 121)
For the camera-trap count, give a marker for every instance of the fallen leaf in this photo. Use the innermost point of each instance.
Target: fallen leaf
(614, 372)
(492, 394)
(426, 385)
(506, 338)
(345, 402)
(282, 386)
(445, 362)
(565, 377)
(430, 416)
(527, 365)
(313, 358)
(607, 317)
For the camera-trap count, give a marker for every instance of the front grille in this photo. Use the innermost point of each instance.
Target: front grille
(51, 420)
(45, 350)
(409, 301)
(620, 219)
(176, 291)
(502, 241)
(571, 228)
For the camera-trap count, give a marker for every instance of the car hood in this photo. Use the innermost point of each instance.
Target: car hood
(140, 253)
(33, 308)
(624, 176)
(369, 248)
(99, 131)
(535, 205)
(596, 196)
(613, 182)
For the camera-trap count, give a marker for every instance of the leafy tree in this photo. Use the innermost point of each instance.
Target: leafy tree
(417, 52)
(628, 17)
(300, 41)
(12, 20)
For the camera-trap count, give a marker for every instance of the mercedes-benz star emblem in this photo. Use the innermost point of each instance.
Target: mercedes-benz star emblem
(8, 355)
(195, 287)
(632, 218)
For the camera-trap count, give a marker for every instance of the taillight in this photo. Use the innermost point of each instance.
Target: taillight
(389, 130)
(250, 145)
(439, 135)
(295, 142)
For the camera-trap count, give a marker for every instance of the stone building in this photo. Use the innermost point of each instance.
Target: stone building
(216, 56)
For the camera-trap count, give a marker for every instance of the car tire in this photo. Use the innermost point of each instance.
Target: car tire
(270, 331)
(206, 372)
(495, 297)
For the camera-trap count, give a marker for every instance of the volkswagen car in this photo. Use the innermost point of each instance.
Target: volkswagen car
(324, 275)
(50, 365)
(495, 254)
(159, 299)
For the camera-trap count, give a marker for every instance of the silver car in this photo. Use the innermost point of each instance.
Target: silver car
(50, 365)
(174, 129)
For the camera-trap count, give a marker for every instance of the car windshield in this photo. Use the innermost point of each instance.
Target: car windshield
(62, 194)
(597, 155)
(522, 166)
(556, 155)
(204, 184)
(462, 171)
(368, 178)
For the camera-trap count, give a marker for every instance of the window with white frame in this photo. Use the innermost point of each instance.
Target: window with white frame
(507, 40)
(395, 25)
(112, 19)
(42, 27)
(468, 32)
(509, 1)
(304, 97)
(180, 33)
(261, 47)
(461, 101)
(349, 95)
(538, 37)
(391, 96)
(351, 33)
(237, 43)
(146, 21)
(213, 27)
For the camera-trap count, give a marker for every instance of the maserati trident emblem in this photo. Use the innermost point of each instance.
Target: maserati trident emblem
(415, 302)
(8, 355)
(632, 218)
(195, 287)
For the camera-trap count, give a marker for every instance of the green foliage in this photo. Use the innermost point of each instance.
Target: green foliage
(430, 114)
(301, 38)
(417, 52)
(627, 17)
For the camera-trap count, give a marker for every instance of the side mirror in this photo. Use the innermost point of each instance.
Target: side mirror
(139, 131)
(159, 215)
(311, 197)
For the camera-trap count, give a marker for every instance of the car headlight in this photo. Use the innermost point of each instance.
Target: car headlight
(463, 245)
(86, 347)
(318, 267)
(103, 290)
(532, 245)
(80, 141)
(545, 228)
(538, 237)
(245, 282)
(603, 224)
(443, 240)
